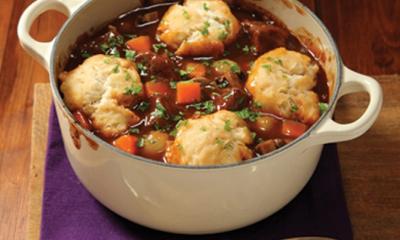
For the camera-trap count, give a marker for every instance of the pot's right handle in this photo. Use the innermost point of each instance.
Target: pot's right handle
(330, 131)
(41, 51)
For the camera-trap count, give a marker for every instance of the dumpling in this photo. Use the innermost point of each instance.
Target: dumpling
(103, 87)
(215, 139)
(198, 27)
(281, 82)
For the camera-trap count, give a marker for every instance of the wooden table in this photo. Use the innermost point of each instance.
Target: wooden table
(368, 36)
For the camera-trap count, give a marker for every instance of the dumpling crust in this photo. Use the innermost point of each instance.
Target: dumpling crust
(103, 87)
(198, 27)
(215, 139)
(281, 81)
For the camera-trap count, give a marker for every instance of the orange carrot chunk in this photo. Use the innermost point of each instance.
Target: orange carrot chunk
(156, 88)
(126, 143)
(140, 44)
(188, 92)
(196, 69)
(293, 129)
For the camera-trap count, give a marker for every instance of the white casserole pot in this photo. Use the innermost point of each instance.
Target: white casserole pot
(197, 200)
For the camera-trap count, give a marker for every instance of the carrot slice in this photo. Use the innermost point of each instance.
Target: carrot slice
(188, 92)
(293, 129)
(196, 69)
(140, 44)
(126, 143)
(82, 120)
(156, 88)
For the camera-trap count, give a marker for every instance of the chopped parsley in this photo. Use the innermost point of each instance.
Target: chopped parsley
(227, 24)
(135, 89)
(227, 126)
(323, 107)
(177, 126)
(134, 131)
(253, 135)
(116, 69)
(235, 68)
(222, 83)
(158, 46)
(128, 76)
(246, 49)
(204, 129)
(114, 52)
(142, 68)
(226, 53)
(219, 141)
(225, 145)
(177, 118)
(113, 42)
(186, 14)
(184, 74)
(249, 49)
(140, 142)
(230, 94)
(142, 106)
(172, 84)
(130, 36)
(205, 7)
(247, 114)
(104, 47)
(268, 67)
(85, 54)
(207, 107)
(206, 63)
(223, 35)
(160, 111)
(257, 105)
(293, 107)
(277, 61)
(130, 55)
(204, 30)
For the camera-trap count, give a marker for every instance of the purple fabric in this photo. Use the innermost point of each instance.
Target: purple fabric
(70, 212)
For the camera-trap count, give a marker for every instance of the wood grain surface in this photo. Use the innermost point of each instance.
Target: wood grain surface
(368, 35)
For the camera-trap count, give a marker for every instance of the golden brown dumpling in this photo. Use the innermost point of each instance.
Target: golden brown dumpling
(281, 81)
(215, 139)
(102, 87)
(198, 27)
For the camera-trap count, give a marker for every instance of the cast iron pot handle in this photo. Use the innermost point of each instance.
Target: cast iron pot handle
(41, 51)
(330, 131)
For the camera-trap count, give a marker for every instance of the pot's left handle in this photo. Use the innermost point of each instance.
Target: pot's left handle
(41, 51)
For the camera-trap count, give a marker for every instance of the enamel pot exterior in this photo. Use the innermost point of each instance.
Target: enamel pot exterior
(196, 200)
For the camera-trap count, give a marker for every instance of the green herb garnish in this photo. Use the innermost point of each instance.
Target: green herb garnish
(207, 107)
(323, 107)
(135, 89)
(85, 54)
(205, 7)
(186, 14)
(134, 131)
(140, 142)
(130, 55)
(142, 106)
(158, 46)
(204, 29)
(160, 111)
(227, 125)
(247, 114)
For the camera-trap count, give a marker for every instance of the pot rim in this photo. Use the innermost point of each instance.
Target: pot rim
(101, 142)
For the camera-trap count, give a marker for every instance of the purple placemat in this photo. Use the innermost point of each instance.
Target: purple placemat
(70, 212)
